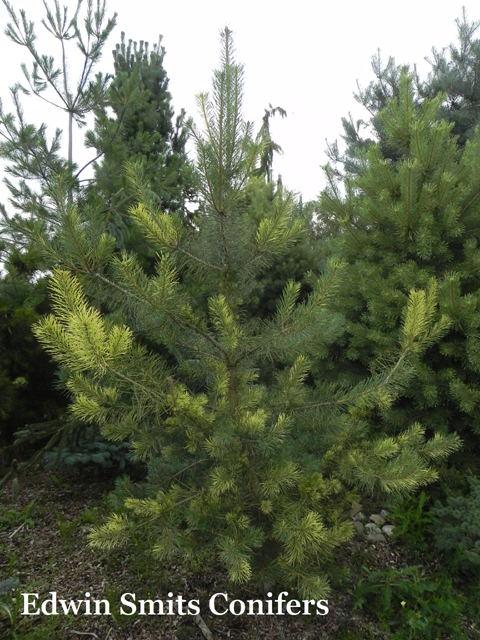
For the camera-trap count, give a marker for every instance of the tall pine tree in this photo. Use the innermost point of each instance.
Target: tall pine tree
(137, 125)
(33, 163)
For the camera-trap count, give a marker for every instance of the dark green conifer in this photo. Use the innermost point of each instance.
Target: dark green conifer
(140, 129)
(26, 372)
(413, 224)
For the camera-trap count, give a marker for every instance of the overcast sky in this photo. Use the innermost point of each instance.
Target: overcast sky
(305, 57)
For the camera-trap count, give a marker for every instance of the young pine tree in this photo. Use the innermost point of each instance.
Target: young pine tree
(414, 225)
(257, 474)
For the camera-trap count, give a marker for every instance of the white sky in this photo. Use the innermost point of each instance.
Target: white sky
(305, 57)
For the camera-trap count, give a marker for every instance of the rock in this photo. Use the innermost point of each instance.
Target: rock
(371, 527)
(355, 509)
(377, 519)
(376, 537)
(358, 526)
(388, 529)
(384, 513)
(358, 517)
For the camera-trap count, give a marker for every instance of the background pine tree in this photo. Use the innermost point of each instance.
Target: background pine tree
(33, 163)
(454, 72)
(413, 224)
(141, 129)
(39, 179)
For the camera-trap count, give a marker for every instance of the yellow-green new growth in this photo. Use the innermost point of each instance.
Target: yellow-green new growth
(77, 335)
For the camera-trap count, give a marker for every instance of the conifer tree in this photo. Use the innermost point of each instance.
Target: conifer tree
(414, 224)
(297, 262)
(257, 474)
(33, 163)
(454, 72)
(26, 372)
(270, 147)
(141, 129)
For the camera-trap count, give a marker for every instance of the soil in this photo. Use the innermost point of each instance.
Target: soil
(43, 542)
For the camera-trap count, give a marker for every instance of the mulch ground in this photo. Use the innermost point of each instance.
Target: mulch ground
(46, 548)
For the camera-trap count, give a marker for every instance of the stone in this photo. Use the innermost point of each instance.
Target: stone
(376, 537)
(355, 509)
(388, 529)
(384, 513)
(377, 519)
(371, 527)
(358, 517)
(358, 526)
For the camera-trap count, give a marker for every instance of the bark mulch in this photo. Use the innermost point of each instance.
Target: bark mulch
(43, 542)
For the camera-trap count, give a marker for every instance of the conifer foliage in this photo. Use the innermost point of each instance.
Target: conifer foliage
(454, 73)
(31, 160)
(257, 474)
(26, 372)
(414, 224)
(141, 129)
